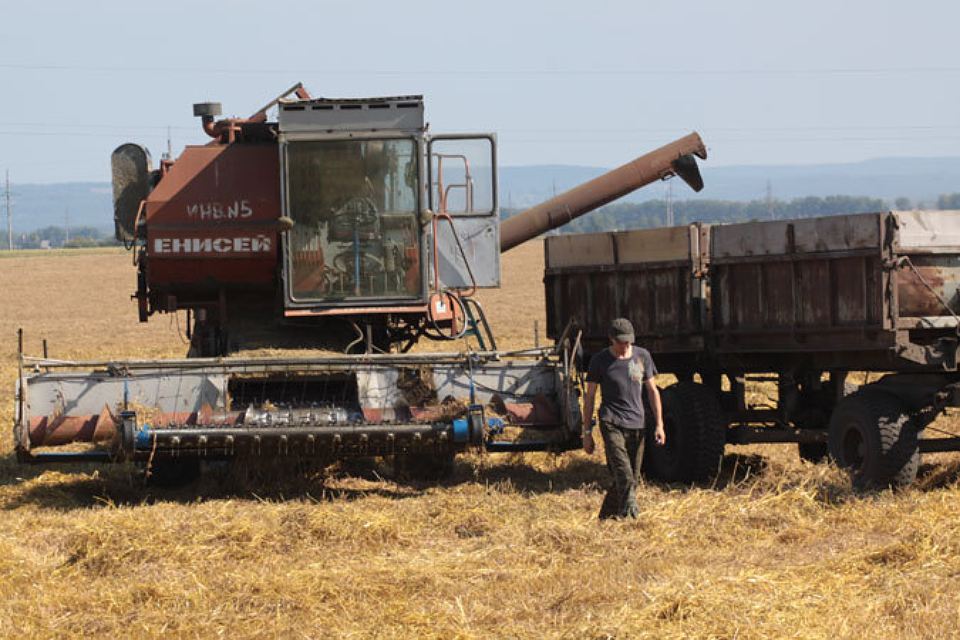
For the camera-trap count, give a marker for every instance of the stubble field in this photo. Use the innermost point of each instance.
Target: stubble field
(508, 547)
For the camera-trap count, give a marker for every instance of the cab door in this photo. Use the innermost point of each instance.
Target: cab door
(462, 188)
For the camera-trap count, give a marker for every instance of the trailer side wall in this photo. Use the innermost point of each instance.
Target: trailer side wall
(647, 276)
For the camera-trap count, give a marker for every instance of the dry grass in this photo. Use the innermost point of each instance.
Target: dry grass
(510, 546)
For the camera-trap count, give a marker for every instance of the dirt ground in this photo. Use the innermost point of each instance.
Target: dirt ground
(508, 547)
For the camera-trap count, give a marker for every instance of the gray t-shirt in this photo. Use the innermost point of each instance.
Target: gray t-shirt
(621, 385)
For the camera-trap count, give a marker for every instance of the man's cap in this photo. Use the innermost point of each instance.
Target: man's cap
(621, 330)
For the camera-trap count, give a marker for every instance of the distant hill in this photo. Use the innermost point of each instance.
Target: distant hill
(919, 179)
(86, 204)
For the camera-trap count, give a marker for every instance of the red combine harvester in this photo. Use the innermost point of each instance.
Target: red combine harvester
(343, 226)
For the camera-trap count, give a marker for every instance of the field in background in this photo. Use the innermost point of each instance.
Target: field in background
(510, 546)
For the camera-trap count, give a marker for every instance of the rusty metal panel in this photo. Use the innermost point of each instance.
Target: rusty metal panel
(925, 282)
(814, 293)
(837, 233)
(653, 245)
(656, 301)
(857, 295)
(588, 298)
(671, 302)
(928, 275)
(810, 235)
(745, 295)
(779, 294)
(799, 285)
(799, 304)
(602, 302)
(553, 296)
(928, 231)
(749, 239)
(211, 221)
(593, 249)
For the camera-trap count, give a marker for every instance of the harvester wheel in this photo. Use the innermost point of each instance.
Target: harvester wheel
(426, 467)
(874, 438)
(169, 474)
(696, 435)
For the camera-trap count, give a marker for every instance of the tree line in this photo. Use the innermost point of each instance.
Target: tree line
(55, 237)
(653, 213)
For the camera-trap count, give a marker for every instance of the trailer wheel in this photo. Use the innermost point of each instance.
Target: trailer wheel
(696, 435)
(425, 467)
(875, 440)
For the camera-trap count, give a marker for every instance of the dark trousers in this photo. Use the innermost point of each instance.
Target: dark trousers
(624, 448)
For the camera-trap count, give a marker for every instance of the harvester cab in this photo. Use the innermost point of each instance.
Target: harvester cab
(383, 215)
(342, 223)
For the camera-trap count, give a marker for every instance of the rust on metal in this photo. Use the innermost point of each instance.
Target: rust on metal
(914, 287)
(675, 158)
(52, 431)
(227, 130)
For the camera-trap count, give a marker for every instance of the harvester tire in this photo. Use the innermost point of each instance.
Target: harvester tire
(696, 435)
(424, 467)
(874, 438)
(170, 474)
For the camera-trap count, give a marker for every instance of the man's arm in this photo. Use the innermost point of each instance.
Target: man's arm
(653, 394)
(589, 396)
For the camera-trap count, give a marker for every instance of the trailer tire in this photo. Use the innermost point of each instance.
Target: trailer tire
(874, 438)
(696, 435)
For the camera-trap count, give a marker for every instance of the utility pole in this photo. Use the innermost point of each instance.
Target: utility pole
(669, 184)
(66, 224)
(769, 200)
(9, 213)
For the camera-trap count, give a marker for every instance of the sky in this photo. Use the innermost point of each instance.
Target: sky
(597, 83)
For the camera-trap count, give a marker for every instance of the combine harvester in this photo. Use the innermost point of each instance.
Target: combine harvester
(341, 226)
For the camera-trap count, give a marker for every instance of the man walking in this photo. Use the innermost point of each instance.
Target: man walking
(622, 371)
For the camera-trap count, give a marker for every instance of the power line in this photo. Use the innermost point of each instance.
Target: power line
(513, 72)
(94, 130)
(93, 125)
(546, 139)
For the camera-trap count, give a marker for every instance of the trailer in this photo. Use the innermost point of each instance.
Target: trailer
(797, 302)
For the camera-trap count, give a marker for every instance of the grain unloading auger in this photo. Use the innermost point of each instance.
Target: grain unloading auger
(344, 224)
